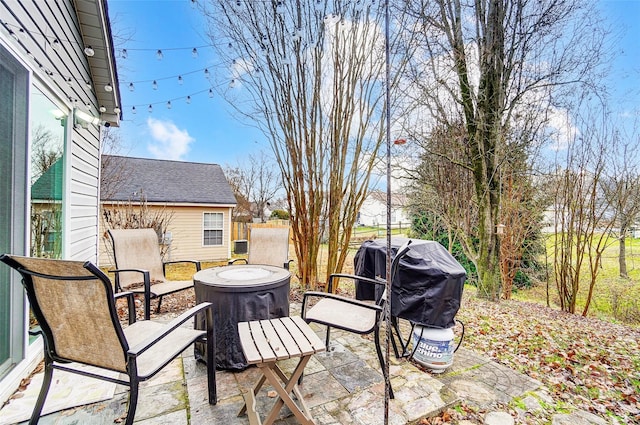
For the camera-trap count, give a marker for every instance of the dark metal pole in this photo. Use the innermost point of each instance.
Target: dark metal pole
(387, 79)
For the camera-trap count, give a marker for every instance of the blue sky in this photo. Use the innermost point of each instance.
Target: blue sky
(205, 130)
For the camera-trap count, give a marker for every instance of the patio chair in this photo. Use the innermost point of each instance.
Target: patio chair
(360, 317)
(268, 245)
(75, 307)
(138, 261)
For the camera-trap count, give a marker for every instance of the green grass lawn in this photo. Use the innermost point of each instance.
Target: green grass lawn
(614, 298)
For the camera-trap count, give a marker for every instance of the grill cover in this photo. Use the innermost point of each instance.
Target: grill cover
(427, 289)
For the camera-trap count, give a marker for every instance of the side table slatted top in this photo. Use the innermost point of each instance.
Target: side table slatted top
(264, 342)
(278, 339)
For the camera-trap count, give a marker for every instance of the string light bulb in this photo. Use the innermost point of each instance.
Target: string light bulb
(188, 99)
(108, 88)
(169, 104)
(131, 87)
(297, 35)
(194, 52)
(159, 55)
(154, 85)
(180, 81)
(210, 92)
(133, 110)
(116, 110)
(56, 45)
(150, 108)
(89, 51)
(124, 54)
(102, 109)
(206, 73)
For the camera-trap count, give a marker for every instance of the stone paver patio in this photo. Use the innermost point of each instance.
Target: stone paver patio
(341, 386)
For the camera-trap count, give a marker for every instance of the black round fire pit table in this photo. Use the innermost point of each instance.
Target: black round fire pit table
(239, 293)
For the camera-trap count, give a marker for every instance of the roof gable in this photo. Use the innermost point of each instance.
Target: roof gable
(125, 179)
(48, 187)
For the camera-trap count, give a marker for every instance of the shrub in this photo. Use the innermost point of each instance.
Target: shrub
(280, 214)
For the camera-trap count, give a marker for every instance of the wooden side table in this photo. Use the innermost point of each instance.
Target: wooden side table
(264, 342)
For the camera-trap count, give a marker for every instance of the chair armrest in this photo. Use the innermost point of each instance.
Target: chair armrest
(238, 259)
(195, 262)
(354, 277)
(145, 275)
(131, 305)
(170, 327)
(146, 278)
(316, 294)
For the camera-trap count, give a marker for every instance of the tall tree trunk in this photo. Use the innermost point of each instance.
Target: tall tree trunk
(622, 252)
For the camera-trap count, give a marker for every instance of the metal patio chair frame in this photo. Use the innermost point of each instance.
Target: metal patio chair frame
(269, 246)
(348, 314)
(75, 307)
(146, 266)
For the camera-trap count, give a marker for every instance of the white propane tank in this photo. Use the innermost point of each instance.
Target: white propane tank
(433, 348)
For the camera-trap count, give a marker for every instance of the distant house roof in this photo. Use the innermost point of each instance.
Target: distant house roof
(48, 187)
(125, 178)
(397, 199)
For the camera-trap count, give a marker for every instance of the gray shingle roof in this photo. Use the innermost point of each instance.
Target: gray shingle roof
(125, 178)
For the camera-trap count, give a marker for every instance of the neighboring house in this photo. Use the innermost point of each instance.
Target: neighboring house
(58, 85)
(374, 210)
(46, 210)
(196, 195)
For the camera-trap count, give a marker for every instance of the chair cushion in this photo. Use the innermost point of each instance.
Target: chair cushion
(137, 249)
(163, 351)
(269, 245)
(342, 315)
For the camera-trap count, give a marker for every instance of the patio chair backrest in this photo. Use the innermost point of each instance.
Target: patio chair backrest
(269, 245)
(137, 249)
(75, 309)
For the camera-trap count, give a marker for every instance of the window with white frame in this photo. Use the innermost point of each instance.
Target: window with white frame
(213, 224)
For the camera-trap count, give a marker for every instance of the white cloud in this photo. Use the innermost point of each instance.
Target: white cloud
(562, 129)
(169, 142)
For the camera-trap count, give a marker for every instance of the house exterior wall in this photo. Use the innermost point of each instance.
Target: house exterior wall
(186, 227)
(374, 213)
(27, 33)
(42, 22)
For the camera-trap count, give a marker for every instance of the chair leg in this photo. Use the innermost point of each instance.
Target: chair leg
(46, 383)
(327, 338)
(382, 362)
(159, 304)
(147, 307)
(133, 399)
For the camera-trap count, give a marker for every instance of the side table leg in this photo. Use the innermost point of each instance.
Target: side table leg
(250, 406)
(255, 391)
(272, 372)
